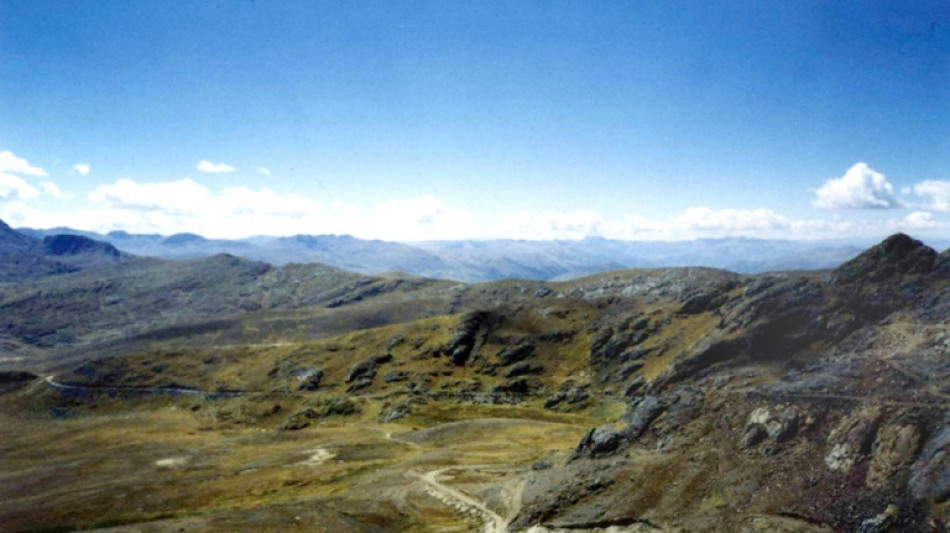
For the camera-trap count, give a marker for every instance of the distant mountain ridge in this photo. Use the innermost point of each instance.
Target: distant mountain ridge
(28, 257)
(476, 261)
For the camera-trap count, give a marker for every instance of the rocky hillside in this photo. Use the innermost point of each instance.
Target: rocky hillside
(818, 400)
(711, 401)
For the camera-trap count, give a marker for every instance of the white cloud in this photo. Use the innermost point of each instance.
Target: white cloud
(729, 220)
(937, 194)
(861, 187)
(264, 170)
(920, 220)
(15, 187)
(186, 205)
(52, 189)
(177, 197)
(701, 222)
(232, 212)
(214, 168)
(17, 165)
(82, 168)
(575, 224)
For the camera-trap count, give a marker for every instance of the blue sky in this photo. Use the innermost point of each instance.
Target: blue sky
(422, 120)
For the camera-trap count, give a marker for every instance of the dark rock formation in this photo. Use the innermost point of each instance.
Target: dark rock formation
(524, 369)
(930, 474)
(310, 379)
(366, 369)
(599, 442)
(471, 331)
(510, 355)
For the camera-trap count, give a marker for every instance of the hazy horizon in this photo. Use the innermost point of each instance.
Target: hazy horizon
(409, 123)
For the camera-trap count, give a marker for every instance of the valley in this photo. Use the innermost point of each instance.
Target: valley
(223, 394)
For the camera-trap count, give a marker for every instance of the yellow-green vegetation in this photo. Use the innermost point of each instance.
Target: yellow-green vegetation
(167, 462)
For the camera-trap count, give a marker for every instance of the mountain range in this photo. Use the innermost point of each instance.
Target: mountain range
(477, 261)
(221, 393)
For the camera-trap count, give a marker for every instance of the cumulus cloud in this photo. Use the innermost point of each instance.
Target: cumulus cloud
(214, 168)
(936, 193)
(920, 220)
(15, 187)
(264, 170)
(82, 168)
(186, 205)
(861, 187)
(17, 165)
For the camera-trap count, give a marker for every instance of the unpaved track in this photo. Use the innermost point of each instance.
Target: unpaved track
(461, 502)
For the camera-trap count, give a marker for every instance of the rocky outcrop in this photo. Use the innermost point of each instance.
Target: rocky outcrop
(472, 330)
(930, 474)
(510, 355)
(599, 442)
(309, 378)
(850, 442)
(643, 413)
(335, 406)
(777, 423)
(893, 453)
(366, 369)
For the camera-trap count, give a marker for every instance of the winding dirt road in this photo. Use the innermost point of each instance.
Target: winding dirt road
(461, 502)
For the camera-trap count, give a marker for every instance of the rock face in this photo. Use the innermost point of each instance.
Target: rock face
(599, 442)
(930, 475)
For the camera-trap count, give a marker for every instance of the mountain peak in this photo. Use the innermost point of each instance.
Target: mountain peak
(894, 257)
